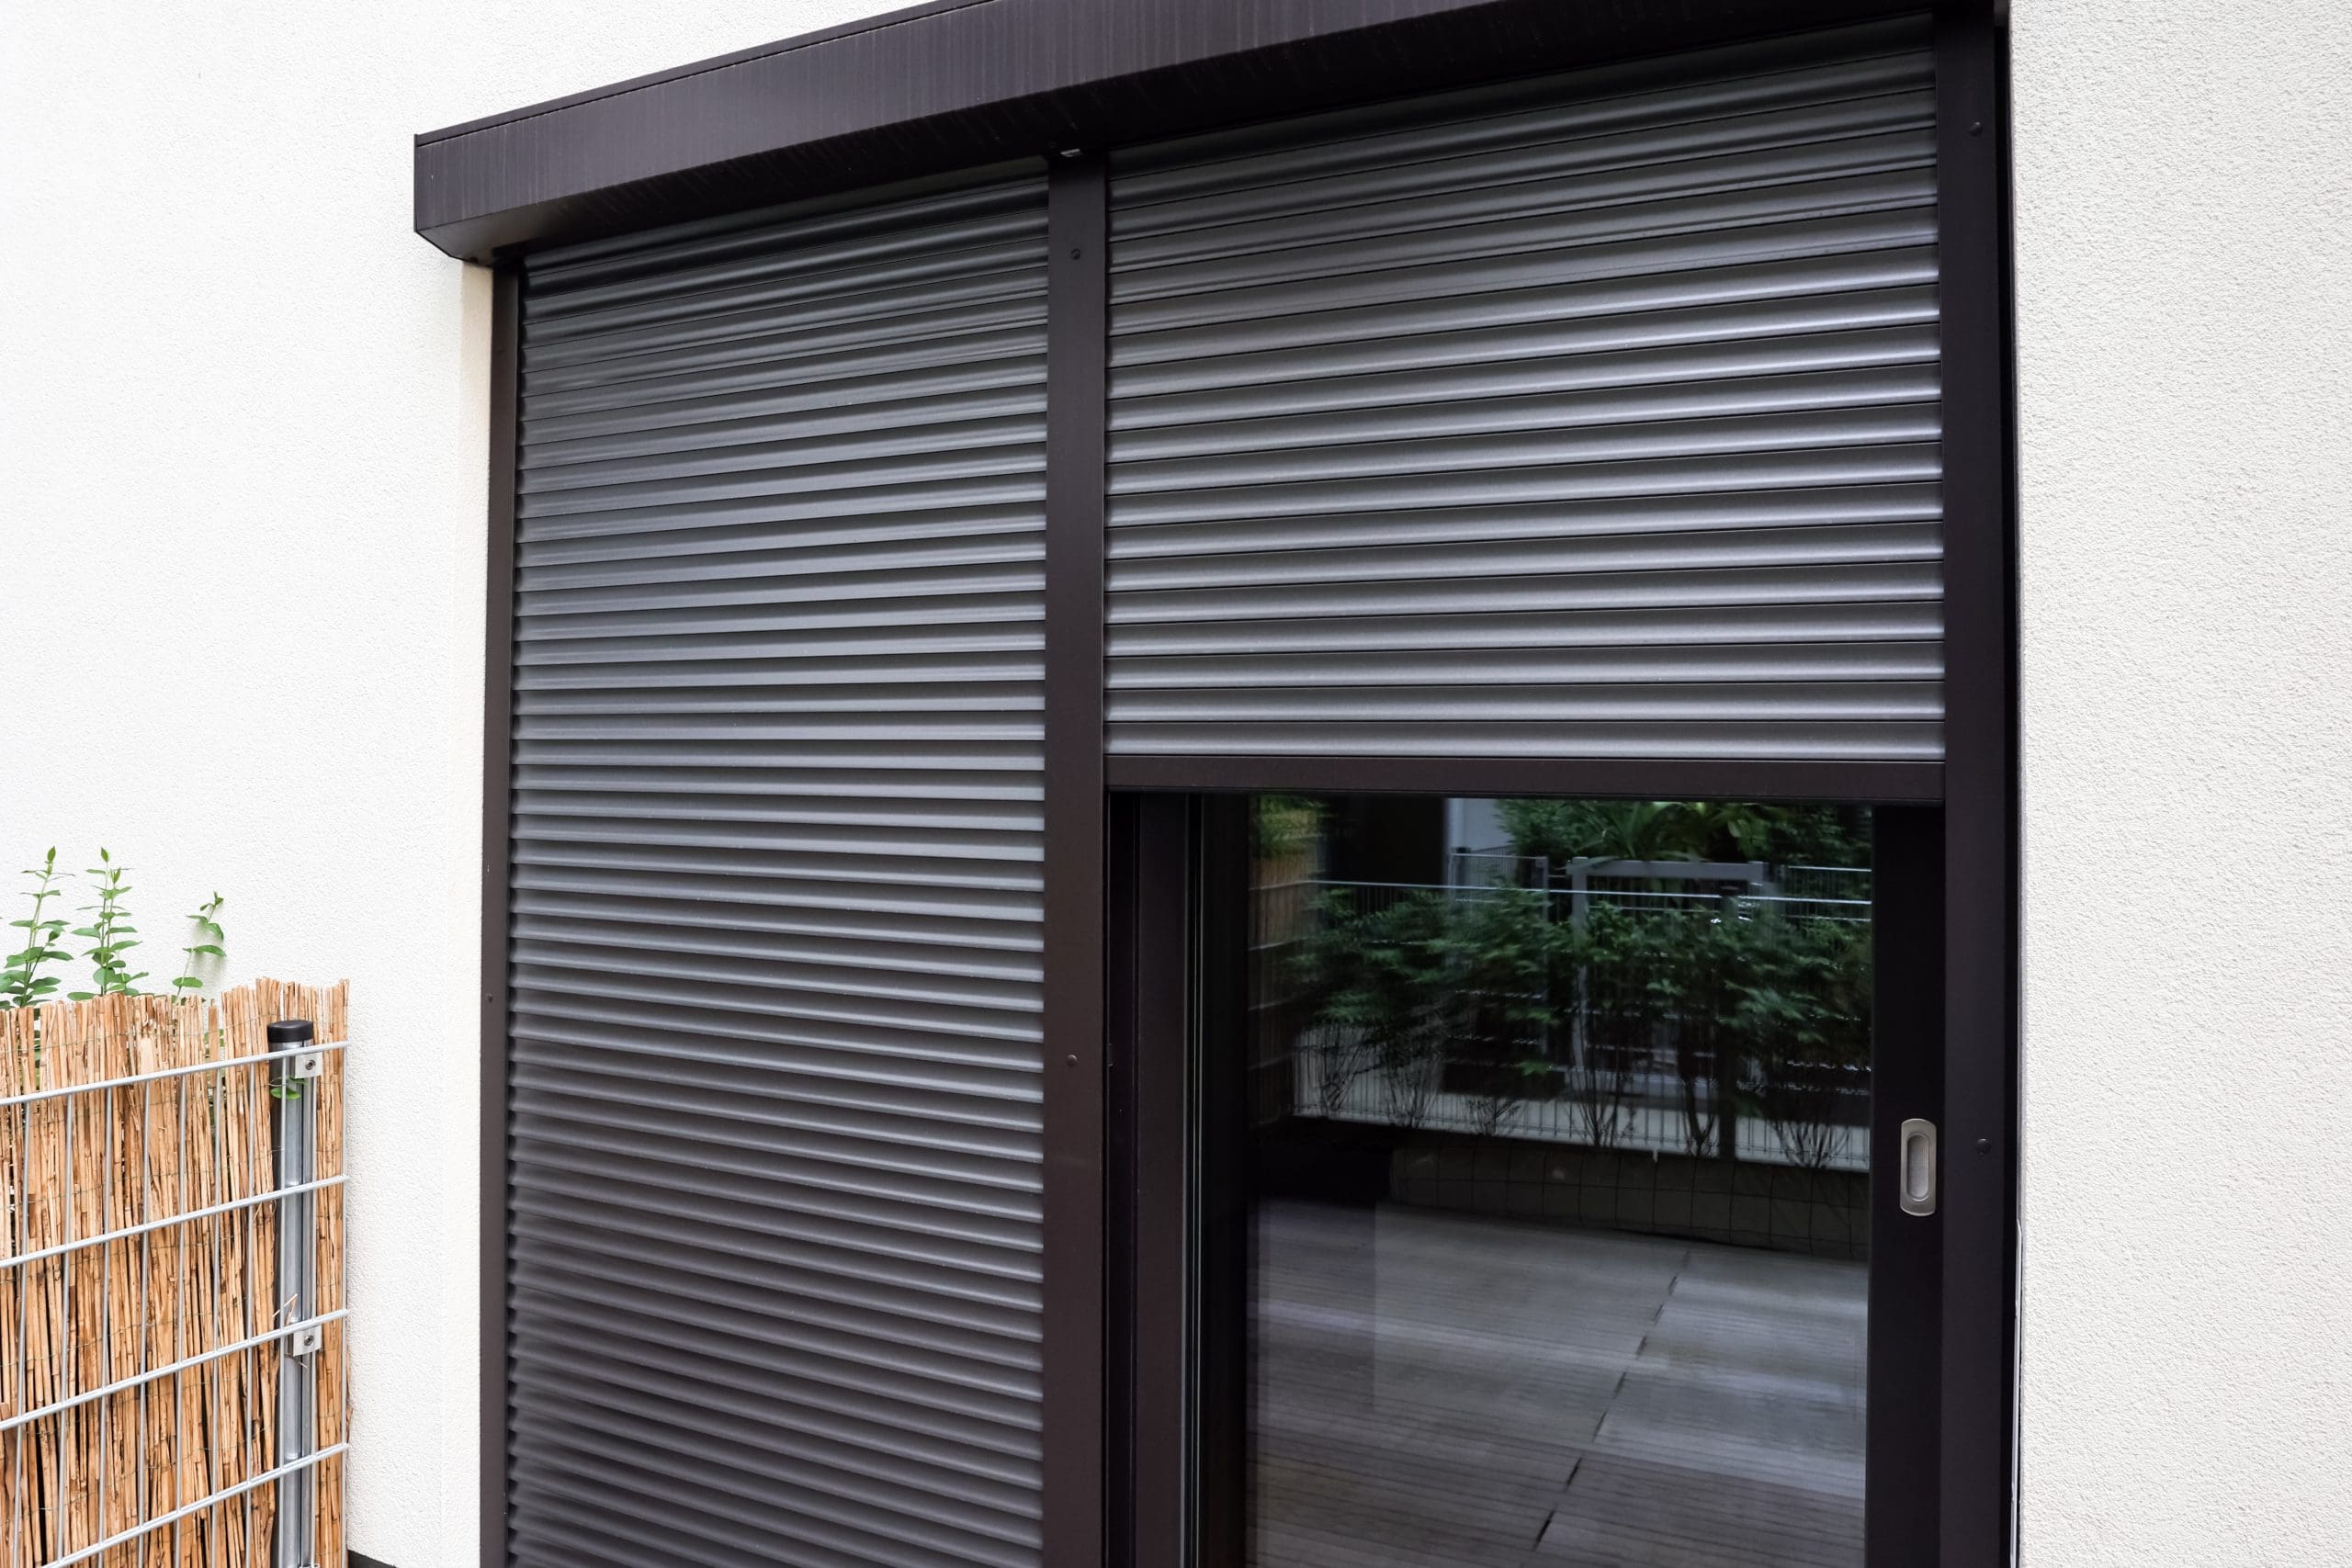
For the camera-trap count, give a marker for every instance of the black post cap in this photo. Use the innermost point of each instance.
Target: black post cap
(291, 1032)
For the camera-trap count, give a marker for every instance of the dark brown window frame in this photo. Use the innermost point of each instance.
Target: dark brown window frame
(1178, 1265)
(963, 83)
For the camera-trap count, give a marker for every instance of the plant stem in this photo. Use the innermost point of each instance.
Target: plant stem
(21, 983)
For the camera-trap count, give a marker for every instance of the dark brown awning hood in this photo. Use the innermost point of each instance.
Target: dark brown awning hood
(961, 83)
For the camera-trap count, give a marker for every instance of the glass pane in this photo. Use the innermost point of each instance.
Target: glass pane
(1557, 1171)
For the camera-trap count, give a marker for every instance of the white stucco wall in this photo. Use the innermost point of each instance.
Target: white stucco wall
(241, 417)
(242, 446)
(2183, 267)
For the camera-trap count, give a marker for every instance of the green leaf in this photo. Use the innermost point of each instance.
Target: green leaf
(209, 950)
(79, 996)
(188, 983)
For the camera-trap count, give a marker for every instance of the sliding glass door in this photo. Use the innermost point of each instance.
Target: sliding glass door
(1534, 1179)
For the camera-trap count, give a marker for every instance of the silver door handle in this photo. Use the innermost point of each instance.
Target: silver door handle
(1917, 1175)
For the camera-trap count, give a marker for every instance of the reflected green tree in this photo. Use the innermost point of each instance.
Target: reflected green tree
(1564, 830)
(1802, 1016)
(1378, 976)
(1496, 949)
(1616, 999)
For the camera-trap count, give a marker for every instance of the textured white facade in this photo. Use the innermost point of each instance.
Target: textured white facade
(243, 429)
(2184, 216)
(242, 453)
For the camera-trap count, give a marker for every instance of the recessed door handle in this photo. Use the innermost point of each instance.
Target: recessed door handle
(1917, 1175)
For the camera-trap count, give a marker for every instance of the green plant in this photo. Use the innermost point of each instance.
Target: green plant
(1284, 825)
(1802, 1019)
(110, 933)
(1758, 1015)
(1616, 991)
(1495, 953)
(1428, 988)
(1677, 829)
(1375, 976)
(206, 920)
(1782, 835)
(21, 982)
(1608, 830)
(1769, 1018)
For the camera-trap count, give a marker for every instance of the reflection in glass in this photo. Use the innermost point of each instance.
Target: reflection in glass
(1557, 1173)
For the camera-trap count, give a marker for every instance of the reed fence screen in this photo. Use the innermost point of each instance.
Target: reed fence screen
(143, 1327)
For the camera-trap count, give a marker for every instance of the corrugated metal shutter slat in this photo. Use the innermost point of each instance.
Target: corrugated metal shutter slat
(774, 1158)
(1596, 418)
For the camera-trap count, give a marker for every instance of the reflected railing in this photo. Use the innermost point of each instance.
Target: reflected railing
(1690, 1008)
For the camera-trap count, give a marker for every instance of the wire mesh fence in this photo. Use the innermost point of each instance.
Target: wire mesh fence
(152, 1336)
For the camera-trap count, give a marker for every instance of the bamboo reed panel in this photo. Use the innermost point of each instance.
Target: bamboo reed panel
(75, 1168)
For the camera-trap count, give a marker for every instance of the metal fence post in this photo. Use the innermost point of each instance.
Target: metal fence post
(1579, 910)
(294, 1118)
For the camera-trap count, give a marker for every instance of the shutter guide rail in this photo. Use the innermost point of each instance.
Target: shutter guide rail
(1075, 1051)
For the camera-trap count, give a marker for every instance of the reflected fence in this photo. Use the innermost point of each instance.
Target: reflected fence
(1704, 1010)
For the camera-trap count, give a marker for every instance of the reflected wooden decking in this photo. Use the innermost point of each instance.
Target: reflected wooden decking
(1442, 1390)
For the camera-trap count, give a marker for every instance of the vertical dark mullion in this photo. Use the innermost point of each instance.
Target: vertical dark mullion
(1151, 1040)
(1980, 1160)
(1124, 982)
(1900, 1514)
(497, 828)
(1077, 316)
(1220, 939)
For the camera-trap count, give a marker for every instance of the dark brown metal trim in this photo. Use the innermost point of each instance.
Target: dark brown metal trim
(1903, 1434)
(675, 73)
(1151, 901)
(497, 806)
(1077, 360)
(1220, 963)
(1979, 1201)
(1648, 779)
(1179, 964)
(970, 82)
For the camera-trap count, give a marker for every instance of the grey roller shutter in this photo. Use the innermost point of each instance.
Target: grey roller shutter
(774, 1150)
(1590, 417)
